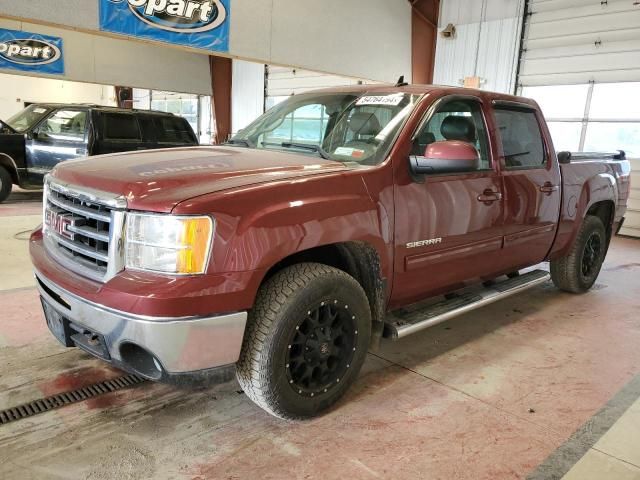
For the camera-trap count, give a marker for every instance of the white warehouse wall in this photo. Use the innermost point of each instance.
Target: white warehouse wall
(99, 59)
(486, 44)
(369, 39)
(16, 89)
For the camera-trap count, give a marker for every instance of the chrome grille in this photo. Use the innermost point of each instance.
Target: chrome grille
(83, 229)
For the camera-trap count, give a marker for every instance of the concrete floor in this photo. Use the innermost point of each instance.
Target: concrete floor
(503, 392)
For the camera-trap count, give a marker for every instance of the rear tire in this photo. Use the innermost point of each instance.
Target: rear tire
(6, 184)
(306, 340)
(579, 269)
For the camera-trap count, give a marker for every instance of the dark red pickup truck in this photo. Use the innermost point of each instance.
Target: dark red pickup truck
(337, 218)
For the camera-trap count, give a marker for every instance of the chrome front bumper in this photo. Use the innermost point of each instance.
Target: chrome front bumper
(176, 345)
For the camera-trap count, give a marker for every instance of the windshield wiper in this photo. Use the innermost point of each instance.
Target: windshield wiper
(239, 141)
(304, 146)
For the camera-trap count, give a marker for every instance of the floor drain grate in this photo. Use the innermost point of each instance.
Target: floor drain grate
(65, 398)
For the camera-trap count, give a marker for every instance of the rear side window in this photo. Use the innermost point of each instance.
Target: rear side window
(120, 126)
(521, 138)
(148, 127)
(174, 130)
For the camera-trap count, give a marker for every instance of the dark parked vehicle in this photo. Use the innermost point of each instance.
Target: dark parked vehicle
(39, 137)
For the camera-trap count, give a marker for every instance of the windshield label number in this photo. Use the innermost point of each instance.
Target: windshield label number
(391, 100)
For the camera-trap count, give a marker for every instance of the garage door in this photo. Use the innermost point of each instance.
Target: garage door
(632, 219)
(581, 62)
(581, 41)
(283, 82)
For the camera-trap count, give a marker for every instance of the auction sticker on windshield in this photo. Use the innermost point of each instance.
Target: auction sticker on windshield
(349, 152)
(202, 24)
(392, 100)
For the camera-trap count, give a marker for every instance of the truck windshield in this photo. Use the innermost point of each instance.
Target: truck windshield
(356, 128)
(27, 118)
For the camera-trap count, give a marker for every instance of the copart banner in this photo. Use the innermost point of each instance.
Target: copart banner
(202, 24)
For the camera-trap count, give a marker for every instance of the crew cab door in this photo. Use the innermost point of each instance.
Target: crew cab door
(59, 137)
(532, 183)
(448, 227)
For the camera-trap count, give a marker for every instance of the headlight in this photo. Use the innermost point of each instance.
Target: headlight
(168, 243)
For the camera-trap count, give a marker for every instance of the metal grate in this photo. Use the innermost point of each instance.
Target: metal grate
(66, 398)
(86, 228)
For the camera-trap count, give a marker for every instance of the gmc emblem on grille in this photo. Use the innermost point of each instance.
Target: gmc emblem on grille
(59, 223)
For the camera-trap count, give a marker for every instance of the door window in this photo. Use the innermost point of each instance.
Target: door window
(521, 138)
(174, 130)
(120, 126)
(460, 120)
(69, 125)
(148, 127)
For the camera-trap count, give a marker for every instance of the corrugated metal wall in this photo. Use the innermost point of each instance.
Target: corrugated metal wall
(579, 41)
(486, 43)
(247, 99)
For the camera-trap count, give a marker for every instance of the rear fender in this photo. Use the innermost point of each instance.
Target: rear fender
(601, 187)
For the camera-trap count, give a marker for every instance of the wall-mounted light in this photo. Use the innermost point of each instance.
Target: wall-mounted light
(449, 31)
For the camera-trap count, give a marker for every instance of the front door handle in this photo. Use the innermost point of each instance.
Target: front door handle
(548, 188)
(489, 196)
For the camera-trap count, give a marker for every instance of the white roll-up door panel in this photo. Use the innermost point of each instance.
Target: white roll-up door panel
(631, 225)
(579, 41)
(286, 81)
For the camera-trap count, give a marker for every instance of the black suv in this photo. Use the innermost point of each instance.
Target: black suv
(34, 140)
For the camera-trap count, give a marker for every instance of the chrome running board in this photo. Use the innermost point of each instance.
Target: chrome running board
(406, 321)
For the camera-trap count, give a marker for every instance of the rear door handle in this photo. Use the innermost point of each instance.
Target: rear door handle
(549, 188)
(489, 196)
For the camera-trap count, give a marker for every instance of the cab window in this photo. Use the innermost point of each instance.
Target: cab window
(458, 119)
(69, 125)
(521, 138)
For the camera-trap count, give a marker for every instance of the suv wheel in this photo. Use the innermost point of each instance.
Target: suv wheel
(307, 338)
(578, 270)
(5, 184)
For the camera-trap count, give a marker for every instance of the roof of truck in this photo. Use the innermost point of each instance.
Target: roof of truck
(417, 89)
(95, 106)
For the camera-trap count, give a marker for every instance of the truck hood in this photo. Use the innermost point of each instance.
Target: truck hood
(157, 180)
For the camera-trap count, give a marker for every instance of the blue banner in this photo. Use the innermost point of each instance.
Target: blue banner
(31, 52)
(200, 24)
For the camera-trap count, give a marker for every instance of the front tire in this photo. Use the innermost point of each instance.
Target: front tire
(6, 184)
(306, 340)
(578, 270)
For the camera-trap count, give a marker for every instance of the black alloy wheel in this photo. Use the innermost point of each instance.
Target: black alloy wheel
(322, 348)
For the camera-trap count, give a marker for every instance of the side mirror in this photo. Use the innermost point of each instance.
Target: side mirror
(564, 157)
(449, 156)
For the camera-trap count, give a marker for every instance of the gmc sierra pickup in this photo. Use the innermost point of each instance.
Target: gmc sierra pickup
(337, 218)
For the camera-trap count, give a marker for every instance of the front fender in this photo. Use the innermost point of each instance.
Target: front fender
(256, 227)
